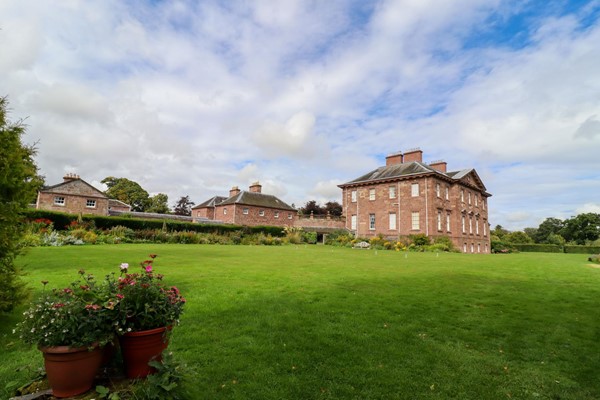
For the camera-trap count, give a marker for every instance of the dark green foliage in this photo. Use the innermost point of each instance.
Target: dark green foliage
(127, 191)
(158, 204)
(550, 226)
(517, 237)
(582, 249)
(582, 228)
(540, 248)
(61, 221)
(19, 183)
(333, 208)
(183, 206)
(420, 239)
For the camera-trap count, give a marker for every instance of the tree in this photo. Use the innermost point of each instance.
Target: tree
(518, 237)
(550, 226)
(500, 232)
(312, 206)
(184, 206)
(127, 191)
(158, 204)
(582, 228)
(19, 181)
(333, 208)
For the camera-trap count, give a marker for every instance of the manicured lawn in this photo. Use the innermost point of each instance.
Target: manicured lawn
(317, 322)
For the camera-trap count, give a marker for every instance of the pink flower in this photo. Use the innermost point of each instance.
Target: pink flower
(149, 268)
(119, 296)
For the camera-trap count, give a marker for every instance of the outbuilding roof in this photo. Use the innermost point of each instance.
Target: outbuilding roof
(257, 199)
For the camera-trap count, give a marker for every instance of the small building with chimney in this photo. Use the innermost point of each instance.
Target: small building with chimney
(75, 196)
(249, 208)
(408, 196)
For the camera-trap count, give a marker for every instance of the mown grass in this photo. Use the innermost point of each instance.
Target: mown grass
(317, 322)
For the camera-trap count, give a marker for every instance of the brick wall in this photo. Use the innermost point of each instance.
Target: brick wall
(73, 203)
(234, 214)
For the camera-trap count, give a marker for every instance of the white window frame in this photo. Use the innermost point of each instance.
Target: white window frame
(484, 227)
(371, 222)
(414, 190)
(477, 226)
(372, 194)
(353, 222)
(437, 190)
(392, 192)
(60, 201)
(462, 195)
(276, 214)
(353, 196)
(261, 213)
(245, 210)
(470, 225)
(439, 221)
(448, 222)
(415, 221)
(289, 215)
(224, 210)
(464, 224)
(90, 203)
(469, 197)
(447, 193)
(476, 201)
(392, 221)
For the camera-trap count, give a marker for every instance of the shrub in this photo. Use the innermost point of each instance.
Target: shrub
(582, 249)
(538, 248)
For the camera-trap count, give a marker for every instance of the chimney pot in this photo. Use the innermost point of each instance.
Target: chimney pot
(255, 187)
(394, 158)
(413, 155)
(234, 191)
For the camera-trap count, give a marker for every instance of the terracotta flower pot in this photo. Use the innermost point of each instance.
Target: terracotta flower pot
(139, 348)
(71, 371)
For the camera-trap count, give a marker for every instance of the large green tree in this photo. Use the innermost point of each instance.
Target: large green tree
(127, 191)
(19, 181)
(582, 228)
(159, 204)
(550, 226)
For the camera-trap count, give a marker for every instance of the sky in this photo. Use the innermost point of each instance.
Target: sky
(194, 97)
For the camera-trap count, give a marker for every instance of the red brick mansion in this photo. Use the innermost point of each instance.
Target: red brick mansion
(407, 196)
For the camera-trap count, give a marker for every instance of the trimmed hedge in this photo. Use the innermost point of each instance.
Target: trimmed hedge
(582, 249)
(538, 248)
(62, 220)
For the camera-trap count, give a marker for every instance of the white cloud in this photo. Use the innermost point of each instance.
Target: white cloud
(589, 208)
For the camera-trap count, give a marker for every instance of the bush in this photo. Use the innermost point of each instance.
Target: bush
(538, 248)
(582, 249)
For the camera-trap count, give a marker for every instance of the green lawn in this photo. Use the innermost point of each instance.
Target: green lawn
(319, 322)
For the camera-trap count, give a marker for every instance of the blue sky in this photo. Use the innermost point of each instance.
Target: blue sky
(192, 98)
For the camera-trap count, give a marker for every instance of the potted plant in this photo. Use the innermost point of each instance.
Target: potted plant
(70, 326)
(147, 310)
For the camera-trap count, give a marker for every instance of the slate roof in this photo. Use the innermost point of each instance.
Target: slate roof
(405, 170)
(56, 188)
(213, 201)
(257, 199)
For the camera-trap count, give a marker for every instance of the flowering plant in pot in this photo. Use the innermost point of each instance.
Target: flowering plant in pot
(147, 310)
(70, 326)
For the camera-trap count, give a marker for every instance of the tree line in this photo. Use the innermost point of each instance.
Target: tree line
(582, 229)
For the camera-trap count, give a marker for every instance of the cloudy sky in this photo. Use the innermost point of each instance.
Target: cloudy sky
(193, 97)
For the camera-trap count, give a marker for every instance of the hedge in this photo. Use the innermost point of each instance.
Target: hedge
(582, 249)
(62, 220)
(538, 248)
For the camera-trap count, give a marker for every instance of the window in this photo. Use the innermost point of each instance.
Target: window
(447, 193)
(477, 227)
(289, 215)
(448, 222)
(415, 220)
(59, 201)
(276, 215)
(372, 222)
(245, 211)
(371, 194)
(484, 227)
(463, 224)
(476, 200)
(472, 248)
(392, 221)
(225, 211)
(462, 195)
(90, 203)
(392, 192)
(437, 190)
(479, 247)
(464, 248)
(483, 204)
(471, 225)
(261, 213)
(414, 190)
(353, 222)
(469, 197)
(353, 196)
(439, 220)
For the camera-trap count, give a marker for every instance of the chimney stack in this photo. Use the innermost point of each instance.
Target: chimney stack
(394, 158)
(439, 165)
(234, 191)
(255, 187)
(70, 177)
(413, 155)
